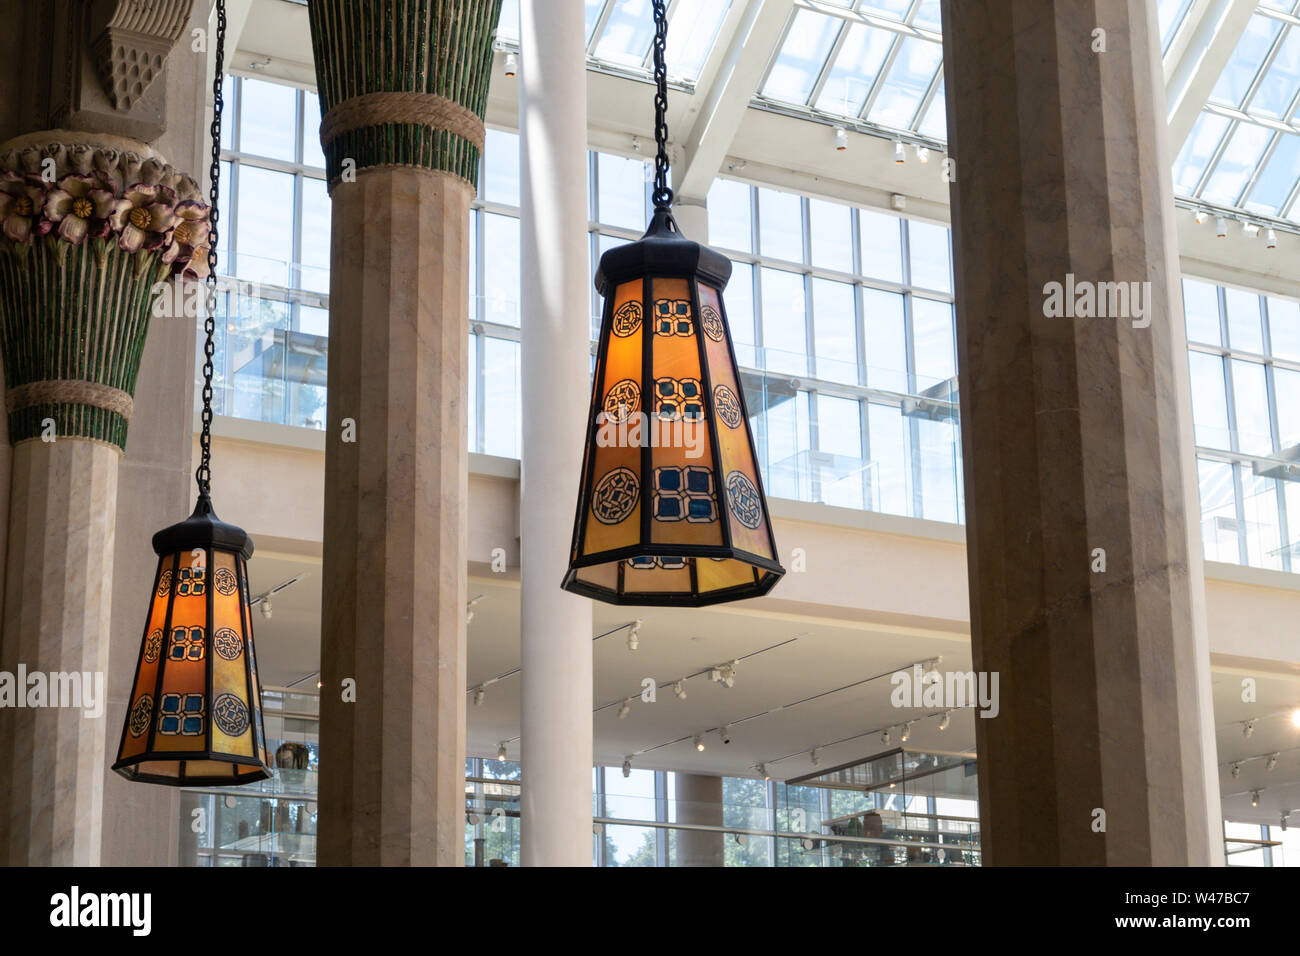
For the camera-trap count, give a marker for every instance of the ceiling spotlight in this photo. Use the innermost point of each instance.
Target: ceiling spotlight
(680, 690)
(480, 695)
(1285, 814)
(923, 153)
(634, 636)
(699, 743)
(627, 766)
(625, 708)
(725, 733)
(319, 685)
(1236, 771)
(512, 64)
(1254, 798)
(900, 152)
(1248, 728)
(1201, 216)
(469, 608)
(885, 738)
(841, 138)
(1295, 717)
(1270, 239)
(1249, 229)
(1221, 228)
(715, 675)
(945, 720)
(501, 751)
(815, 755)
(265, 606)
(1271, 763)
(907, 732)
(762, 771)
(729, 674)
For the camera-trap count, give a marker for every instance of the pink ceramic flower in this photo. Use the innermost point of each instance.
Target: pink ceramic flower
(21, 199)
(147, 219)
(82, 206)
(190, 232)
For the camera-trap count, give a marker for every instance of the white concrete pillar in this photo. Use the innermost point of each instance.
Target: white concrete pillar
(555, 292)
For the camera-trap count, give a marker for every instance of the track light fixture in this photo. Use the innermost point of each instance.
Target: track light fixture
(885, 738)
(900, 152)
(841, 139)
(815, 755)
(907, 732)
(265, 607)
(945, 720)
(1285, 814)
(625, 708)
(762, 771)
(1270, 239)
(1249, 229)
(1236, 770)
(1295, 717)
(680, 690)
(1221, 228)
(1271, 764)
(699, 743)
(627, 766)
(1201, 216)
(1254, 798)
(725, 733)
(923, 153)
(480, 695)
(634, 635)
(512, 64)
(1248, 728)
(501, 751)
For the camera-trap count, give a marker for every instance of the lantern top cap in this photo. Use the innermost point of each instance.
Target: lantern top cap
(662, 251)
(203, 529)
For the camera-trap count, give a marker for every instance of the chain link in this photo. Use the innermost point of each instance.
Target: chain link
(662, 196)
(203, 474)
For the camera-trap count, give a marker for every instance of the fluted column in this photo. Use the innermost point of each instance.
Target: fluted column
(92, 230)
(403, 85)
(1085, 574)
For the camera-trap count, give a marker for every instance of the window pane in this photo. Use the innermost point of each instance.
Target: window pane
(224, 264)
(780, 225)
(805, 49)
(1250, 401)
(693, 27)
(471, 394)
(886, 342)
(313, 321)
(475, 300)
(501, 269)
(730, 221)
(311, 151)
(229, 86)
(928, 245)
(1201, 143)
(1284, 327)
(1201, 304)
(785, 334)
(834, 329)
(315, 272)
(1237, 164)
(882, 248)
(739, 302)
(1286, 386)
(1245, 61)
(1245, 331)
(627, 35)
(1259, 506)
(830, 228)
(909, 77)
(268, 123)
(1209, 400)
(501, 398)
(788, 432)
(622, 193)
(501, 168)
(889, 471)
(1278, 177)
(939, 466)
(1277, 90)
(265, 230)
(934, 348)
(856, 64)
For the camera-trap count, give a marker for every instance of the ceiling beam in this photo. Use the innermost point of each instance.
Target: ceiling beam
(726, 99)
(1211, 33)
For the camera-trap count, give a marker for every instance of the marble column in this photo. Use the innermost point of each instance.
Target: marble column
(556, 705)
(1085, 578)
(699, 800)
(76, 295)
(403, 86)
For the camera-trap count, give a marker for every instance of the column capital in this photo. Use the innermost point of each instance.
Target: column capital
(403, 83)
(89, 224)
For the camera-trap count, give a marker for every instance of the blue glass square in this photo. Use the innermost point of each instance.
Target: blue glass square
(701, 508)
(669, 508)
(670, 479)
(697, 479)
(169, 725)
(192, 725)
(171, 703)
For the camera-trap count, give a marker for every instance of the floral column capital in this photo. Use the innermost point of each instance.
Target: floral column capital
(89, 225)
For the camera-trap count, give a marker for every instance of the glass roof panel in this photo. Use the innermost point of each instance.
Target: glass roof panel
(1236, 164)
(1197, 152)
(1278, 177)
(1277, 90)
(692, 29)
(1246, 59)
(855, 69)
(893, 9)
(627, 34)
(935, 124)
(1170, 15)
(807, 44)
(928, 16)
(906, 84)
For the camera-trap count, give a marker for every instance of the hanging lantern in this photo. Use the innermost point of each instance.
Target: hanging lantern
(195, 712)
(671, 508)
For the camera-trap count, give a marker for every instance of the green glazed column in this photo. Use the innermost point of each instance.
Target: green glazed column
(403, 85)
(92, 230)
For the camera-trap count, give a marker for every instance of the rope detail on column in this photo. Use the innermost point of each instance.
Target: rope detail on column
(421, 109)
(70, 391)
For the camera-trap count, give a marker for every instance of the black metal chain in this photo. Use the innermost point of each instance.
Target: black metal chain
(203, 474)
(662, 196)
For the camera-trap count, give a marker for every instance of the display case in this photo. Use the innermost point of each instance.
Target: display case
(897, 808)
